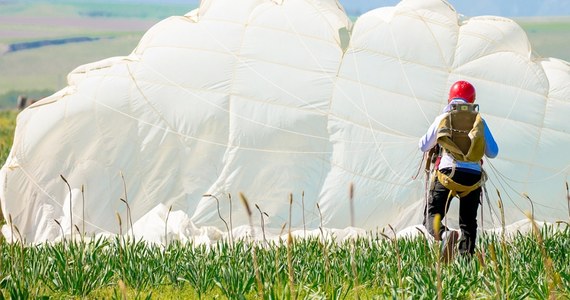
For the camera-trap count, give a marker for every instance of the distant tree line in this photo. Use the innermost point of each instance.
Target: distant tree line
(37, 44)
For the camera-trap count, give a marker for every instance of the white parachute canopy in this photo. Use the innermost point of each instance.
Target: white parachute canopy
(284, 101)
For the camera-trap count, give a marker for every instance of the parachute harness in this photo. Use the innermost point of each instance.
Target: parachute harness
(461, 135)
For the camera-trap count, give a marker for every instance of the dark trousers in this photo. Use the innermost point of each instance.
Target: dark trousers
(438, 203)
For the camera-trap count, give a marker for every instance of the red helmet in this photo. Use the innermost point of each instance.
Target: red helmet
(462, 89)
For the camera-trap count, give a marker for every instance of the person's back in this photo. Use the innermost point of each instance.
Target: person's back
(464, 138)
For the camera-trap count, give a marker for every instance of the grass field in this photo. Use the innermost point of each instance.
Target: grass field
(533, 266)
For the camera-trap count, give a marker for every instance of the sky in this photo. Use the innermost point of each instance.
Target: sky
(504, 8)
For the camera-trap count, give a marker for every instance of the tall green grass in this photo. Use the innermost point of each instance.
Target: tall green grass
(111, 268)
(7, 126)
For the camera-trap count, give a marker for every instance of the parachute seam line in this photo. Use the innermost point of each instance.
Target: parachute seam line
(386, 54)
(52, 198)
(197, 89)
(226, 93)
(371, 27)
(95, 101)
(540, 135)
(365, 111)
(335, 80)
(379, 21)
(188, 91)
(323, 16)
(476, 59)
(261, 75)
(440, 54)
(262, 8)
(221, 144)
(368, 119)
(360, 110)
(248, 59)
(312, 37)
(383, 89)
(226, 158)
(215, 143)
(408, 83)
(169, 128)
(134, 86)
(368, 177)
(496, 82)
(427, 23)
(132, 89)
(157, 113)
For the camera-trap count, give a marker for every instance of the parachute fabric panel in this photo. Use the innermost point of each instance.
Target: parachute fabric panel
(272, 98)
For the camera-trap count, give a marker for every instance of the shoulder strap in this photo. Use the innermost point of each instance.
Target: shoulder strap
(461, 133)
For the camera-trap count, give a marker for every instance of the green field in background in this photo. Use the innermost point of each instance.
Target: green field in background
(549, 37)
(40, 72)
(114, 9)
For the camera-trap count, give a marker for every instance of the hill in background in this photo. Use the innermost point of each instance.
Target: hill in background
(42, 41)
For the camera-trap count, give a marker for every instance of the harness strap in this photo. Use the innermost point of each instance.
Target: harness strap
(456, 188)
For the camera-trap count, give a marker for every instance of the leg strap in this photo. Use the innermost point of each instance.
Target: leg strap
(455, 188)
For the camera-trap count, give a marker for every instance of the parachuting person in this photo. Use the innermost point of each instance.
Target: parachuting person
(459, 138)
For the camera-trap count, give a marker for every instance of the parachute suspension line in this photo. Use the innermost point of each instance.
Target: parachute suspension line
(420, 167)
(428, 183)
(447, 202)
(542, 179)
(482, 207)
(426, 199)
(401, 63)
(502, 184)
(518, 192)
(483, 195)
(492, 212)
